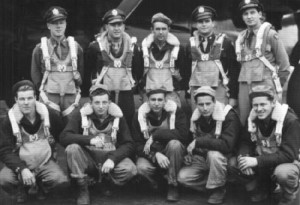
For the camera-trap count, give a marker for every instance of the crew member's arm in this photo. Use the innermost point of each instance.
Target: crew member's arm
(80, 63)
(72, 134)
(125, 146)
(37, 67)
(227, 141)
(93, 59)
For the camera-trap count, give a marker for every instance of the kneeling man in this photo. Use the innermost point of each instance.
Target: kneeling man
(98, 144)
(215, 128)
(26, 142)
(160, 132)
(269, 149)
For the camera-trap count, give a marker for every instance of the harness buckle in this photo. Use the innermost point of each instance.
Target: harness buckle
(61, 67)
(34, 137)
(117, 63)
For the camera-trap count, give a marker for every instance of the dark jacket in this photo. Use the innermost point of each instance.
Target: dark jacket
(228, 60)
(290, 144)
(8, 155)
(231, 129)
(161, 137)
(72, 134)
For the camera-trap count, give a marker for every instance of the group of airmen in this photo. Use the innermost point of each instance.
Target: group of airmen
(239, 131)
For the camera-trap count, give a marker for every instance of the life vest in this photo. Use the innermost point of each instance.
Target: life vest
(144, 109)
(219, 114)
(207, 67)
(255, 66)
(159, 73)
(109, 134)
(34, 149)
(268, 144)
(60, 75)
(116, 72)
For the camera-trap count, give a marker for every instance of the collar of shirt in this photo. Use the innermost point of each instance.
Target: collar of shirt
(158, 53)
(206, 125)
(151, 116)
(29, 127)
(63, 42)
(100, 125)
(210, 38)
(266, 130)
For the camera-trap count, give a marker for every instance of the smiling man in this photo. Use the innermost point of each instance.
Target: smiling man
(26, 138)
(115, 60)
(269, 151)
(160, 132)
(163, 58)
(262, 55)
(215, 128)
(211, 60)
(98, 144)
(57, 65)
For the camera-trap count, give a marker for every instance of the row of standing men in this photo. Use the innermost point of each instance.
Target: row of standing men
(97, 137)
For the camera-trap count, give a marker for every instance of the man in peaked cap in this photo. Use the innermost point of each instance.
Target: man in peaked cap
(163, 58)
(26, 140)
(215, 129)
(115, 60)
(262, 55)
(269, 149)
(57, 65)
(210, 59)
(159, 130)
(98, 144)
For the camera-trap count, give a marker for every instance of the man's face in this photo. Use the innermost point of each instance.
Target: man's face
(26, 101)
(252, 17)
(157, 102)
(205, 105)
(262, 106)
(160, 31)
(115, 30)
(100, 104)
(205, 26)
(57, 28)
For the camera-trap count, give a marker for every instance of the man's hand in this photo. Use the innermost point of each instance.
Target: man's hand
(191, 147)
(233, 102)
(188, 159)
(97, 142)
(107, 166)
(247, 162)
(148, 145)
(28, 177)
(248, 171)
(162, 160)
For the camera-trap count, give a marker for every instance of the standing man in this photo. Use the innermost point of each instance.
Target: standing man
(215, 129)
(211, 60)
(269, 151)
(262, 55)
(163, 58)
(160, 133)
(98, 142)
(25, 145)
(115, 60)
(57, 65)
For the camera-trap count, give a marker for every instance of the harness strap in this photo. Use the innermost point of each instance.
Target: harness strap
(74, 105)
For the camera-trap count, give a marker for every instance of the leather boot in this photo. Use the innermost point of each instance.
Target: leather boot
(21, 194)
(217, 196)
(83, 195)
(173, 194)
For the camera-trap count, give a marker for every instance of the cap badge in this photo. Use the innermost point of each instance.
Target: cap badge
(247, 1)
(114, 12)
(201, 9)
(55, 12)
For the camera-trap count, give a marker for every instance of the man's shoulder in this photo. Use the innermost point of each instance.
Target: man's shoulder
(232, 115)
(291, 117)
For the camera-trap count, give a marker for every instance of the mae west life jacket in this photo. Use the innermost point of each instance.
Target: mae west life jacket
(116, 72)
(255, 66)
(159, 73)
(268, 144)
(34, 149)
(109, 134)
(147, 128)
(219, 114)
(207, 67)
(60, 75)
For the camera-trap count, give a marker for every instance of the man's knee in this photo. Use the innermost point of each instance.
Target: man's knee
(73, 149)
(143, 167)
(216, 157)
(183, 176)
(174, 145)
(8, 179)
(287, 174)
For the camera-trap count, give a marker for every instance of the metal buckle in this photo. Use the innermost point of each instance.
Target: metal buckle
(33, 137)
(158, 64)
(61, 68)
(204, 57)
(117, 63)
